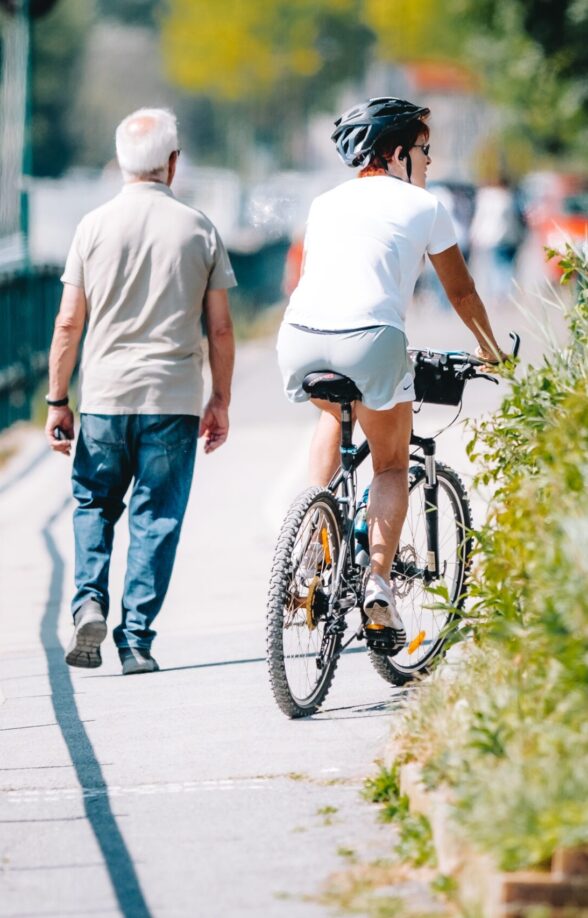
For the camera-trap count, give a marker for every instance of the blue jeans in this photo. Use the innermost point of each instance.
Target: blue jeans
(156, 452)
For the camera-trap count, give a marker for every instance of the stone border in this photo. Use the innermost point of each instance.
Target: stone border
(481, 885)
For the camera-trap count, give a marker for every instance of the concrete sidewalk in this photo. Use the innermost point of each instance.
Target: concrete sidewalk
(185, 792)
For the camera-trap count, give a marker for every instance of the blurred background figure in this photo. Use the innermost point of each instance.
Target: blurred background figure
(496, 232)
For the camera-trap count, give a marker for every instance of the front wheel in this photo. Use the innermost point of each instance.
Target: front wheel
(427, 617)
(302, 652)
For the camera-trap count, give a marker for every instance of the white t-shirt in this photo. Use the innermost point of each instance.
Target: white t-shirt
(364, 245)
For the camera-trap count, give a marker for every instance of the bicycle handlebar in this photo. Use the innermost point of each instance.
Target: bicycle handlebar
(462, 363)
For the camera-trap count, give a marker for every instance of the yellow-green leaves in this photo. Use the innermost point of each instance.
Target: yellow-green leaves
(235, 49)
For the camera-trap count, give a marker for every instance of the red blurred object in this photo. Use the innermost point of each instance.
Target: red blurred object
(559, 214)
(293, 268)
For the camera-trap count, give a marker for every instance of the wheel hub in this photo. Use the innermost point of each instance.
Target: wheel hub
(408, 561)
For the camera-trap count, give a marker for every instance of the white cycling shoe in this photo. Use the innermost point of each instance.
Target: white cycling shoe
(384, 629)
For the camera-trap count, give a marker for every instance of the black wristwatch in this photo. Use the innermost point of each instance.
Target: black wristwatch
(57, 402)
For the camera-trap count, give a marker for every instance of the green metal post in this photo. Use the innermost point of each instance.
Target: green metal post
(27, 153)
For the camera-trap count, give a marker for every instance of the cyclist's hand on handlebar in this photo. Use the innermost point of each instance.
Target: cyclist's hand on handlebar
(491, 357)
(214, 426)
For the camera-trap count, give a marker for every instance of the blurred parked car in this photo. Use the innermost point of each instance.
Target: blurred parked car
(556, 208)
(569, 223)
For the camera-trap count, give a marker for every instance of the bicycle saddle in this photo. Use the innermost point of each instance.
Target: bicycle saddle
(331, 386)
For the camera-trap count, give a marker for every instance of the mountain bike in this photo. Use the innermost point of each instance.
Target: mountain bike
(321, 561)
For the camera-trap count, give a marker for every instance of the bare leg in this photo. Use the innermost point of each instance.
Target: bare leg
(388, 434)
(387, 508)
(324, 450)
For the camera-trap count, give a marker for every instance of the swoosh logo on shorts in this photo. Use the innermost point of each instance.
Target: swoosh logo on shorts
(407, 387)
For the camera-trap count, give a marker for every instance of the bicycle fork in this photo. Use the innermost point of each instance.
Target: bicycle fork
(431, 489)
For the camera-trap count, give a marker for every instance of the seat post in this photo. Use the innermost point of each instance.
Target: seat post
(347, 447)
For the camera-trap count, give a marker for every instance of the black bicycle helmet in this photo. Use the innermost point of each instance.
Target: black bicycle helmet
(358, 129)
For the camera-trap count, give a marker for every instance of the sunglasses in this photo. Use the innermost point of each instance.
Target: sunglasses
(425, 147)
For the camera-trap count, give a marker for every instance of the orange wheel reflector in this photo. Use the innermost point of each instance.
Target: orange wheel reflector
(417, 641)
(372, 627)
(325, 543)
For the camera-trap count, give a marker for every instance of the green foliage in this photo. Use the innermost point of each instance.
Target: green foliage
(533, 55)
(508, 734)
(255, 50)
(284, 59)
(415, 840)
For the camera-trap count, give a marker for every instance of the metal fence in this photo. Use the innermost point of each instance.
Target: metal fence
(29, 302)
(28, 306)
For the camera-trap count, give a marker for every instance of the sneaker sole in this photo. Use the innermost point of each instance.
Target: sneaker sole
(84, 650)
(132, 668)
(386, 641)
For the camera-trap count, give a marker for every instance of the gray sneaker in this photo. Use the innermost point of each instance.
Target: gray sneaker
(135, 661)
(89, 632)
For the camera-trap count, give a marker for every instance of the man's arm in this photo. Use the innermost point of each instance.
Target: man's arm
(214, 426)
(461, 291)
(69, 327)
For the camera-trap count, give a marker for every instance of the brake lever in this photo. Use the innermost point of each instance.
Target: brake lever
(486, 376)
(516, 343)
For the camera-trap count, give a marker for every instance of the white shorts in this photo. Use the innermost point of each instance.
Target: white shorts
(375, 359)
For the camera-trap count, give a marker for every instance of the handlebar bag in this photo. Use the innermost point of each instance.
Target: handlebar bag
(437, 385)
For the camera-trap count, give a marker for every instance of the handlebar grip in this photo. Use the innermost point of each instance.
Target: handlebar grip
(516, 342)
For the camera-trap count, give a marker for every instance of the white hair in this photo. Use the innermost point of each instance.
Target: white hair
(144, 142)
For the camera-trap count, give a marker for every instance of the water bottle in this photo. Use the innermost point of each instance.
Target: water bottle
(362, 545)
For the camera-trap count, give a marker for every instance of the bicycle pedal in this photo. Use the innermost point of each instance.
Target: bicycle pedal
(383, 640)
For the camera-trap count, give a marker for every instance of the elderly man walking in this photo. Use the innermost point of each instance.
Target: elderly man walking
(141, 272)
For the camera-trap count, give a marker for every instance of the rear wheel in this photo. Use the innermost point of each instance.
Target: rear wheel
(301, 652)
(427, 618)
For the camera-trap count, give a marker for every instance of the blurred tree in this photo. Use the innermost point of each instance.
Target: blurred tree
(57, 44)
(265, 65)
(409, 30)
(280, 60)
(534, 56)
(234, 50)
(131, 12)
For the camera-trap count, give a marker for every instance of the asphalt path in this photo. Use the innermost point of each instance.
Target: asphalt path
(186, 792)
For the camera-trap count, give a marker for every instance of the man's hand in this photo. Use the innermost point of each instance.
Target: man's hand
(64, 419)
(214, 426)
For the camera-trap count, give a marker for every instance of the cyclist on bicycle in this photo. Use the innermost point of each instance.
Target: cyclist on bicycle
(364, 245)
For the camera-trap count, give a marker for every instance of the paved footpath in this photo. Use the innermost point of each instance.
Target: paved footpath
(184, 792)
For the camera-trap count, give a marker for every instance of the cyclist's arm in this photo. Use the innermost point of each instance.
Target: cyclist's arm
(214, 425)
(461, 291)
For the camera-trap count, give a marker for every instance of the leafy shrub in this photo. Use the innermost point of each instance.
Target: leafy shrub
(509, 734)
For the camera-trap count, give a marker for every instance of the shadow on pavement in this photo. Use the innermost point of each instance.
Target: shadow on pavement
(33, 462)
(117, 859)
(175, 669)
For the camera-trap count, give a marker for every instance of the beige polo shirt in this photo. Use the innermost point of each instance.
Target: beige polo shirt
(145, 261)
